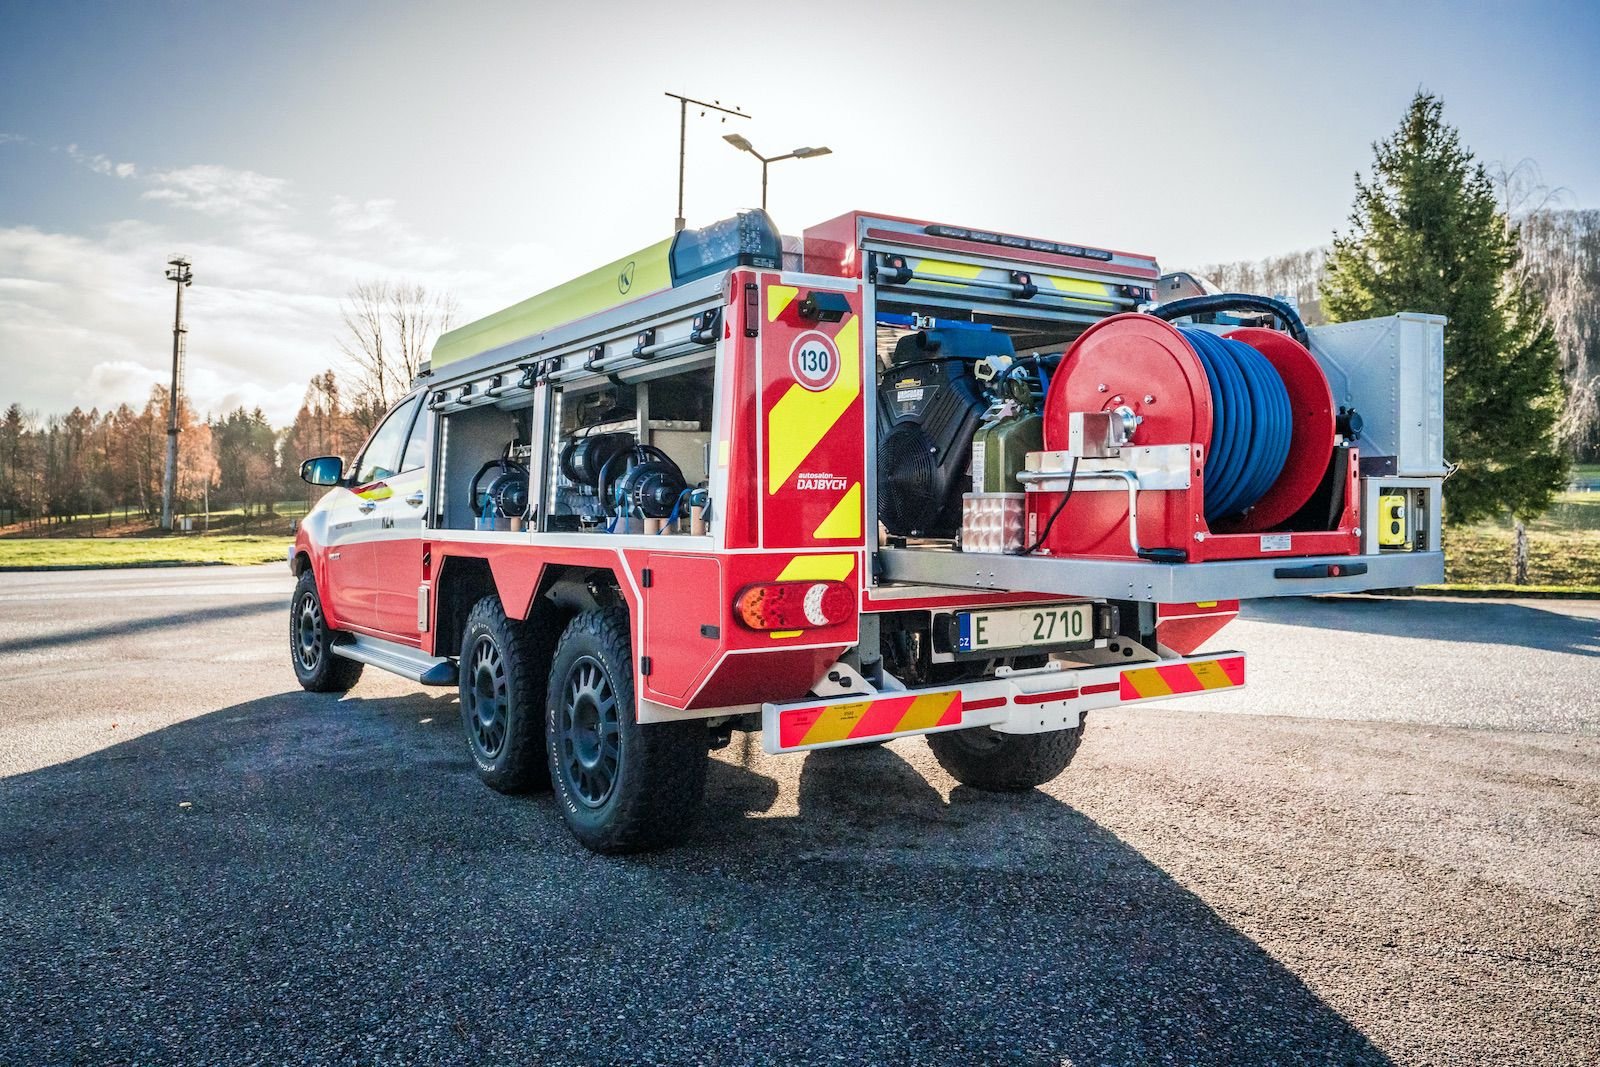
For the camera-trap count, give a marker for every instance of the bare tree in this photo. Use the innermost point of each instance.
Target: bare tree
(1523, 191)
(389, 330)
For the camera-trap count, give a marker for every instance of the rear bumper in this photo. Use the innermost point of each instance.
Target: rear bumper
(1022, 702)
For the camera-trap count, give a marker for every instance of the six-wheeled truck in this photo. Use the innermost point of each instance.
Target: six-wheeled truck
(888, 478)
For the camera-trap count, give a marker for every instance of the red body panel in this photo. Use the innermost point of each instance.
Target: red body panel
(812, 444)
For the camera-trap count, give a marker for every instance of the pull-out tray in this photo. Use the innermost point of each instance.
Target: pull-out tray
(1161, 583)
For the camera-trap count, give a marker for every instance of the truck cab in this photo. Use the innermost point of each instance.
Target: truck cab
(888, 478)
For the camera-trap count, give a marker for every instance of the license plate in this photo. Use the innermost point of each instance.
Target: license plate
(1059, 624)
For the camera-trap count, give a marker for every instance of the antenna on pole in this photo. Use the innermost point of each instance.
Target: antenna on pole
(683, 138)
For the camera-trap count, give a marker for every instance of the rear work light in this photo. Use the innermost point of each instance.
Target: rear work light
(794, 605)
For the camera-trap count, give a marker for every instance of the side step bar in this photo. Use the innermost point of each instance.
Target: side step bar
(403, 660)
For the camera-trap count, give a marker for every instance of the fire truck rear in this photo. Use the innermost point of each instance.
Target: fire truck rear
(888, 478)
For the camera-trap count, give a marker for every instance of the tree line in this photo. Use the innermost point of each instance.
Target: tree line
(63, 468)
(60, 469)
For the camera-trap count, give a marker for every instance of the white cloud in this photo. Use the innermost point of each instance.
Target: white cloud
(12, 138)
(220, 191)
(100, 163)
(88, 317)
(352, 216)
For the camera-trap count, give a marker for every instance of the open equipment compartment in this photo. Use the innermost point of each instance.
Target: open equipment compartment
(1035, 432)
(526, 429)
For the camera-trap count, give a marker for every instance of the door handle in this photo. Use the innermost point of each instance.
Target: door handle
(366, 506)
(415, 499)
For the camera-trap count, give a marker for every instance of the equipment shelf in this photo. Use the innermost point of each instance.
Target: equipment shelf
(1161, 583)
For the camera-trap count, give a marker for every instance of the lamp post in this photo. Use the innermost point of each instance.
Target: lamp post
(683, 136)
(799, 153)
(179, 273)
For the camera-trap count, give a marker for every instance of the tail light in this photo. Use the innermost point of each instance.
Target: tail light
(794, 605)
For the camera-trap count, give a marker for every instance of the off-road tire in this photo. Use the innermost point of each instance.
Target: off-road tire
(647, 792)
(1005, 763)
(502, 692)
(311, 642)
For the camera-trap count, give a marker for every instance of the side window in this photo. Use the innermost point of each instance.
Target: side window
(382, 456)
(416, 454)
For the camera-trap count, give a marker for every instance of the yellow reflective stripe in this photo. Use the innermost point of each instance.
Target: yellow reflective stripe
(802, 418)
(925, 711)
(827, 567)
(835, 723)
(844, 520)
(779, 297)
(1076, 286)
(1211, 674)
(1148, 683)
(948, 269)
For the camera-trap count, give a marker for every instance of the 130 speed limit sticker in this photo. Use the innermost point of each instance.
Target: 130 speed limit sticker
(814, 361)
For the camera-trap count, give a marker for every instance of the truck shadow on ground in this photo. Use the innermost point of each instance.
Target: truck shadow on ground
(1474, 622)
(999, 927)
(302, 877)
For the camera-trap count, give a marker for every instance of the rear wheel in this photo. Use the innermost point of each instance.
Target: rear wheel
(311, 643)
(1005, 763)
(500, 689)
(622, 787)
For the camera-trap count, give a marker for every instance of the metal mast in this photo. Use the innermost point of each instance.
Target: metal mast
(683, 137)
(179, 273)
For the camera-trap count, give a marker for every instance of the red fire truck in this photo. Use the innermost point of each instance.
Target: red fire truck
(887, 478)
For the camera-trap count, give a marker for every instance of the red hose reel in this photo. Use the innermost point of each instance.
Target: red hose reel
(1144, 364)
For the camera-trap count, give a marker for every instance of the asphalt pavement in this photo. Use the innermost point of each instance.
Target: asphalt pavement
(1384, 850)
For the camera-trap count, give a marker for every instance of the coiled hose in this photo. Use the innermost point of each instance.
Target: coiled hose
(1251, 423)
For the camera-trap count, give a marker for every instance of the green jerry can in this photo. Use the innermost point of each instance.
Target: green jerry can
(1001, 445)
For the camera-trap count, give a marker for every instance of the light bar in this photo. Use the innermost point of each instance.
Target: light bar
(1032, 244)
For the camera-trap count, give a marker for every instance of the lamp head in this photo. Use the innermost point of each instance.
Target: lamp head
(738, 142)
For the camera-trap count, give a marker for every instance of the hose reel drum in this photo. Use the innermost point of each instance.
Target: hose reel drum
(1253, 409)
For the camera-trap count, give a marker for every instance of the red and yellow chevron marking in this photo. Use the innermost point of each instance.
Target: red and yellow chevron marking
(868, 718)
(1173, 679)
(374, 491)
(801, 418)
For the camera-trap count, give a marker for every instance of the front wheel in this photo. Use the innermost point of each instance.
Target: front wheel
(1005, 763)
(311, 643)
(622, 787)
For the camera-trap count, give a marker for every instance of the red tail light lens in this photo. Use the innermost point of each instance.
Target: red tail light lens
(794, 605)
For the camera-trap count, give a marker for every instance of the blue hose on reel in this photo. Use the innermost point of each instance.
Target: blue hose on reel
(1251, 423)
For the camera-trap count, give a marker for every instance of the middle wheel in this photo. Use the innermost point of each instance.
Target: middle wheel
(622, 786)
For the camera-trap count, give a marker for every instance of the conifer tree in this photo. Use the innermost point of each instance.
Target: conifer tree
(1427, 235)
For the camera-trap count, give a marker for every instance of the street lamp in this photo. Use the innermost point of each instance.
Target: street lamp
(178, 272)
(799, 153)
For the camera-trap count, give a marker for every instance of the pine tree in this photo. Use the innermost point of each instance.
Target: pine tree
(1427, 235)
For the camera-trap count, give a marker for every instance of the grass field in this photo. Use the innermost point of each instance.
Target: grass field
(139, 551)
(1563, 549)
(133, 524)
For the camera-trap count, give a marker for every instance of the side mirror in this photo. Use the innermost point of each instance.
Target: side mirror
(324, 470)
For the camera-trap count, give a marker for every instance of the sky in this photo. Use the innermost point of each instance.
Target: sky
(490, 150)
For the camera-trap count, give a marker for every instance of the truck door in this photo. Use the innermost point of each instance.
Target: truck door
(357, 529)
(395, 553)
